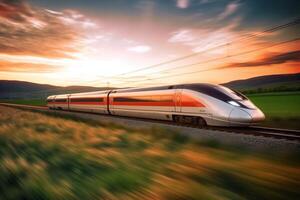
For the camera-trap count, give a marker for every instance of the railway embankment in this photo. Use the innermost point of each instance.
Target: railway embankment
(244, 137)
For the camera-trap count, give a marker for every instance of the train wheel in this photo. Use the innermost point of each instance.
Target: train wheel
(186, 120)
(177, 119)
(201, 122)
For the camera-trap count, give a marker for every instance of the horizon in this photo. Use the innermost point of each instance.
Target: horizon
(148, 86)
(140, 43)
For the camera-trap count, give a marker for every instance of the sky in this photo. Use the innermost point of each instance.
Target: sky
(134, 43)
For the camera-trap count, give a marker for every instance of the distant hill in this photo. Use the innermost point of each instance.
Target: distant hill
(27, 90)
(270, 83)
(23, 89)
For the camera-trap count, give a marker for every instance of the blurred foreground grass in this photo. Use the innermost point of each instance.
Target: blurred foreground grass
(54, 157)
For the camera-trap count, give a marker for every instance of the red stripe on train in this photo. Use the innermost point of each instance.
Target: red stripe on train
(88, 103)
(186, 101)
(143, 103)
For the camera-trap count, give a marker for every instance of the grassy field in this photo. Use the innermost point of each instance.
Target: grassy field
(282, 109)
(55, 157)
(33, 102)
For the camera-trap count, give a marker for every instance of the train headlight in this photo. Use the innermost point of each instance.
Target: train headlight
(234, 103)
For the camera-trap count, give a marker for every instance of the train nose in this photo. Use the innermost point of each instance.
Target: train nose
(239, 115)
(257, 115)
(246, 115)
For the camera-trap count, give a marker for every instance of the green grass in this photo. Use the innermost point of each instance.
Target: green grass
(33, 102)
(282, 109)
(56, 157)
(283, 105)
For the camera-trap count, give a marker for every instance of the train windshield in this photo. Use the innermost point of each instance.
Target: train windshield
(233, 94)
(220, 92)
(210, 90)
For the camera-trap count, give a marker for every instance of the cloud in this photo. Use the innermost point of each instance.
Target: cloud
(140, 49)
(53, 12)
(184, 35)
(203, 39)
(293, 56)
(183, 4)
(26, 30)
(229, 10)
(6, 66)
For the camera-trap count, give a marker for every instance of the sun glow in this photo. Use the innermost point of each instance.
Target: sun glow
(65, 46)
(89, 70)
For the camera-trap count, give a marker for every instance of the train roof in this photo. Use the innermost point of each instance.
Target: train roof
(91, 93)
(192, 86)
(179, 86)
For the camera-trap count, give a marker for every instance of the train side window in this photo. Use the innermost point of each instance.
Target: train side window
(60, 100)
(136, 99)
(210, 91)
(87, 99)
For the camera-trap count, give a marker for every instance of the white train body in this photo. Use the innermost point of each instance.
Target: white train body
(196, 103)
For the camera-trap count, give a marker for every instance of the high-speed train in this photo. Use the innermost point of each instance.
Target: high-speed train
(197, 104)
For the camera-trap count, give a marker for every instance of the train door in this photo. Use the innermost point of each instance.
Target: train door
(178, 95)
(68, 101)
(109, 102)
(54, 102)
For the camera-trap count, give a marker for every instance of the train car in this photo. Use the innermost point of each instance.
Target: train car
(155, 103)
(61, 102)
(89, 102)
(221, 106)
(197, 104)
(50, 102)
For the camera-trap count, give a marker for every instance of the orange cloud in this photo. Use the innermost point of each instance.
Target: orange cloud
(25, 30)
(292, 56)
(6, 66)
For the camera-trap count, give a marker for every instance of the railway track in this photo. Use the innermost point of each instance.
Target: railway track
(252, 130)
(262, 131)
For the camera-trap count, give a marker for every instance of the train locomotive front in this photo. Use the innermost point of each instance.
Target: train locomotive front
(225, 107)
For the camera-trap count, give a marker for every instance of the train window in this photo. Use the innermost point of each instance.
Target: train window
(240, 95)
(60, 100)
(144, 99)
(218, 92)
(233, 94)
(91, 99)
(133, 99)
(209, 90)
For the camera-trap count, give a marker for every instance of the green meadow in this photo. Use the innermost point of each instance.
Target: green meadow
(33, 102)
(48, 156)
